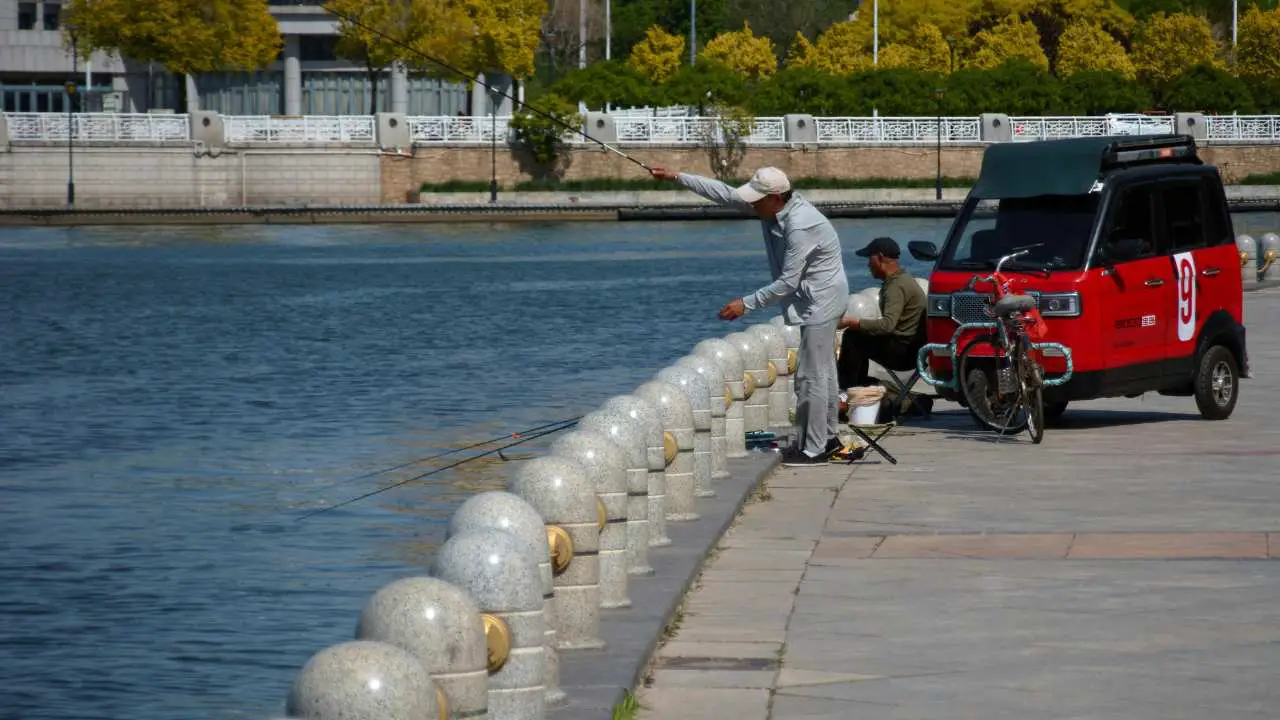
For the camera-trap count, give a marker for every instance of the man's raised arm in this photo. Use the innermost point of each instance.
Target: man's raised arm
(709, 188)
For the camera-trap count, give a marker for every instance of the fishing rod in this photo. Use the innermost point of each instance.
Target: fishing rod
(441, 469)
(454, 451)
(475, 79)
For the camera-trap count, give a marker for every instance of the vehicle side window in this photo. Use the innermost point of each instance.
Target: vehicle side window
(1217, 227)
(1132, 220)
(1184, 215)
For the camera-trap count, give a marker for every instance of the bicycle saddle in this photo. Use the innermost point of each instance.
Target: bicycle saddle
(1010, 304)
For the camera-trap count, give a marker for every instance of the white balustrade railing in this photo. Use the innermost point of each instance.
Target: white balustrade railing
(302, 129)
(427, 130)
(632, 129)
(98, 127)
(897, 130)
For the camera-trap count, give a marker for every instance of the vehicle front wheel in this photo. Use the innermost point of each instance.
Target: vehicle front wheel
(1217, 383)
(1053, 413)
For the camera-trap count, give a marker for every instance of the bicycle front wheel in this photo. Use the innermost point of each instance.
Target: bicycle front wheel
(1031, 377)
(993, 407)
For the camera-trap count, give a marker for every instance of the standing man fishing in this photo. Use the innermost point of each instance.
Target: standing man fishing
(809, 283)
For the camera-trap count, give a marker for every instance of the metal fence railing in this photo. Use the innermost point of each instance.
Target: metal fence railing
(303, 129)
(897, 130)
(98, 127)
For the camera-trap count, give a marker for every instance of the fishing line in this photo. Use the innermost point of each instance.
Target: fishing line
(441, 469)
(487, 86)
(454, 451)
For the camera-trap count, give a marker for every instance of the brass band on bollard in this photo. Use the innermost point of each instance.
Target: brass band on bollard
(773, 373)
(442, 703)
(561, 547)
(1269, 259)
(748, 385)
(497, 640)
(1244, 258)
(602, 515)
(669, 447)
(792, 362)
(728, 397)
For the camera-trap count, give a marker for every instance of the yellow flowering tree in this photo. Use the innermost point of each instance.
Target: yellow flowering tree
(1257, 43)
(743, 52)
(1169, 45)
(1086, 46)
(924, 49)
(898, 19)
(476, 36)
(658, 55)
(843, 48)
(1012, 39)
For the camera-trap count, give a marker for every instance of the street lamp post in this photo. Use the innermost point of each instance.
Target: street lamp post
(875, 33)
(937, 94)
(493, 150)
(71, 135)
(693, 30)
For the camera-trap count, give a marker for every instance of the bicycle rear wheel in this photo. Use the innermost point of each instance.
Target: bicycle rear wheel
(977, 372)
(1031, 378)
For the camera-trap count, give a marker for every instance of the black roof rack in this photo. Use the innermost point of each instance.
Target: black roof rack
(1146, 149)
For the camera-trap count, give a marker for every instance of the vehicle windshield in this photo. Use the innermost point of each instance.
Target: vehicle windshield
(1059, 225)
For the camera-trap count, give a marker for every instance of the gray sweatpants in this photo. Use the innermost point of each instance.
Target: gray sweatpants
(817, 387)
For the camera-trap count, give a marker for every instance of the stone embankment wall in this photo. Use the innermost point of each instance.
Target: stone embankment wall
(170, 176)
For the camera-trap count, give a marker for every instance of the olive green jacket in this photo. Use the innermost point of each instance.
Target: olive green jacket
(902, 306)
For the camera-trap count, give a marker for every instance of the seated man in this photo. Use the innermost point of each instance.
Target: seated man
(894, 339)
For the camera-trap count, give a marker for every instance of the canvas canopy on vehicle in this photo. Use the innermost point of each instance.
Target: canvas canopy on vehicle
(1072, 166)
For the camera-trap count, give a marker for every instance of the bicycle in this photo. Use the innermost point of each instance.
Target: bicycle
(1002, 382)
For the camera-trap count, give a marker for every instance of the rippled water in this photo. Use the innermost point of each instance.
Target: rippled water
(173, 399)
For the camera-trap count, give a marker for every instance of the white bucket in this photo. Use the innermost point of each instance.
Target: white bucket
(865, 414)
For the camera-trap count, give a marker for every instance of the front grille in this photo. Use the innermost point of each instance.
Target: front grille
(970, 307)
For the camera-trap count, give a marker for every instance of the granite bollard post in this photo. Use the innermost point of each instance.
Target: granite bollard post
(639, 411)
(694, 388)
(606, 467)
(719, 399)
(363, 680)
(791, 336)
(498, 510)
(776, 348)
(440, 624)
(740, 386)
(559, 489)
(755, 357)
(677, 420)
(495, 568)
(628, 437)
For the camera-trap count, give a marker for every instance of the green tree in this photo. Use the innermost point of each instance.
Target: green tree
(1210, 89)
(1258, 41)
(1017, 87)
(743, 52)
(370, 32)
(803, 90)
(543, 139)
(1098, 92)
(184, 36)
(633, 18)
(705, 85)
(606, 82)
(781, 21)
(1169, 45)
(924, 49)
(899, 91)
(657, 56)
(1085, 46)
(1012, 39)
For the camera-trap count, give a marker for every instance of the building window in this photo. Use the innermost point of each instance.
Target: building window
(26, 16)
(51, 12)
(317, 48)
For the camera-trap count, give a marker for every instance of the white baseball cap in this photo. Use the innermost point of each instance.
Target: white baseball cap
(766, 181)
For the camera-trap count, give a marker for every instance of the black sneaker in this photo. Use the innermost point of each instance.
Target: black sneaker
(796, 458)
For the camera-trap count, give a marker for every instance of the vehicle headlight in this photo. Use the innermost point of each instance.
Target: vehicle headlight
(1060, 304)
(939, 306)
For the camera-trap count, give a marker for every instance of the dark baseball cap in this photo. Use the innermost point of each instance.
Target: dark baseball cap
(885, 246)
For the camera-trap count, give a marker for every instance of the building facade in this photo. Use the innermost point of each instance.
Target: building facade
(307, 79)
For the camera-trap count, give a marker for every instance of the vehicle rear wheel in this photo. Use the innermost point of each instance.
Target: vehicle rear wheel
(989, 408)
(1217, 383)
(1032, 397)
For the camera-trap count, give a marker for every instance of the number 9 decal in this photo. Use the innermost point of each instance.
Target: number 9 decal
(1185, 266)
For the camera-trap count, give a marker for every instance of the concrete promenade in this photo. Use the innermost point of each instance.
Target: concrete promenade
(1122, 569)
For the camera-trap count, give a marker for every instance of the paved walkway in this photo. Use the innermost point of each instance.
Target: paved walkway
(1119, 570)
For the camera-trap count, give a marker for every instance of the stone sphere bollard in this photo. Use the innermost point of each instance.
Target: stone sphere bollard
(497, 510)
(494, 567)
(1268, 255)
(606, 468)
(1247, 248)
(694, 388)
(639, 411)
(862, 307)
(719, 398)
(677, 420)
(924, 284)
(755, 356)
(363, 680)
(740, 385)
(628, 437)
(790, 335)
(441, 625)
(559, 489)
(776, 348)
